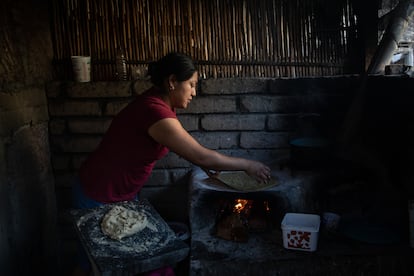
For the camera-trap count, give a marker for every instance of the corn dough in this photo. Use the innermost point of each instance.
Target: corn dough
(120, 222)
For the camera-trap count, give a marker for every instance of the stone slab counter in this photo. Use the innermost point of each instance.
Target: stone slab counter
(153, 247)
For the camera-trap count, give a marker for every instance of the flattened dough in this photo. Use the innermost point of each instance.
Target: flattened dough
(120, 222)
(241, 181)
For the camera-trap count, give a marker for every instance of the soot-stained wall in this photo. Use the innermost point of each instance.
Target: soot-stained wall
(28, 241)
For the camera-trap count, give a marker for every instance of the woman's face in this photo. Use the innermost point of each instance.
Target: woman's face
(183, 91)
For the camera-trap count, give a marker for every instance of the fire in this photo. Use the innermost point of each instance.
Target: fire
(239, 217)
(266, 206)
(244, 205)
(241, 204)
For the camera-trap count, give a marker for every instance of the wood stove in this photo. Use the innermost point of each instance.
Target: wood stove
(225, 242)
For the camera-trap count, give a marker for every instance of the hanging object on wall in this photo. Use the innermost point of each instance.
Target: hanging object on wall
(121, 65)
(81, 68)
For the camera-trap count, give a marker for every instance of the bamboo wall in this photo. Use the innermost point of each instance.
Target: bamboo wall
(226, 38)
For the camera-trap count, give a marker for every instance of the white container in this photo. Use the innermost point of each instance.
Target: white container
(300, 231)
(81, 68)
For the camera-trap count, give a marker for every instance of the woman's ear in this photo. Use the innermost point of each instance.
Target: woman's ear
(172, 79)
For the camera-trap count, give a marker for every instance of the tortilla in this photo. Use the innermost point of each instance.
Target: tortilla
(241, 181)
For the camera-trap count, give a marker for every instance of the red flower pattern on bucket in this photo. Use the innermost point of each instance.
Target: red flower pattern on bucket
(299, 239)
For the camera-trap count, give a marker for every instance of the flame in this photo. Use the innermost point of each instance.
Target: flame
(245, 205)
(266, 205)
(240, 205)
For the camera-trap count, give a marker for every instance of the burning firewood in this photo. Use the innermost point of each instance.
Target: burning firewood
(239, 217)
(232, 228)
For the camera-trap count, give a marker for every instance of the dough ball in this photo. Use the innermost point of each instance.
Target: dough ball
(120, 222)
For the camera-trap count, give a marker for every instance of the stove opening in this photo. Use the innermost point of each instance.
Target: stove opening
(237, 218)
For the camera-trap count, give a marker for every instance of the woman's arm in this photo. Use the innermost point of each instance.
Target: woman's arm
(170, 133)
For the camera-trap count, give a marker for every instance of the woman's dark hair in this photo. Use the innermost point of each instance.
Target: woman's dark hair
(178, 64)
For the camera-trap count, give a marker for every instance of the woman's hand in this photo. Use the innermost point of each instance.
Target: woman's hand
(259, 171)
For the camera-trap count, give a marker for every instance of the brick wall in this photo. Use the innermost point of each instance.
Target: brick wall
(252, 118)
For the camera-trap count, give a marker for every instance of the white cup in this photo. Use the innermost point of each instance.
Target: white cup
(81, 68)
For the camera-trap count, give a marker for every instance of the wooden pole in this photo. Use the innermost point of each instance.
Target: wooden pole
(402, 14)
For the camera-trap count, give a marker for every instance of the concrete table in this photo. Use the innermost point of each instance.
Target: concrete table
(154, 247)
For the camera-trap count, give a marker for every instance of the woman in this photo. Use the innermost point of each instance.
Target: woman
(143, 132)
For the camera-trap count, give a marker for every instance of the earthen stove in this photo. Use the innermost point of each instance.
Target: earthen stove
(221, 247)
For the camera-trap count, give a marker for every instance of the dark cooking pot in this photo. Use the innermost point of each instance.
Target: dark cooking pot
(309, 152)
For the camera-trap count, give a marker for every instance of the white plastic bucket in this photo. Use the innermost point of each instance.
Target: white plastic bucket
(81, 68)
(300, 231)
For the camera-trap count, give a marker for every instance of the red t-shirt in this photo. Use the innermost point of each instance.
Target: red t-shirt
(119, 167)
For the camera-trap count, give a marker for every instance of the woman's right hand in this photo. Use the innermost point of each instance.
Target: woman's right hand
(259, 171)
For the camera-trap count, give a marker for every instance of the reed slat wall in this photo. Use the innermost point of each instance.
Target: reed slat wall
(231, 38)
